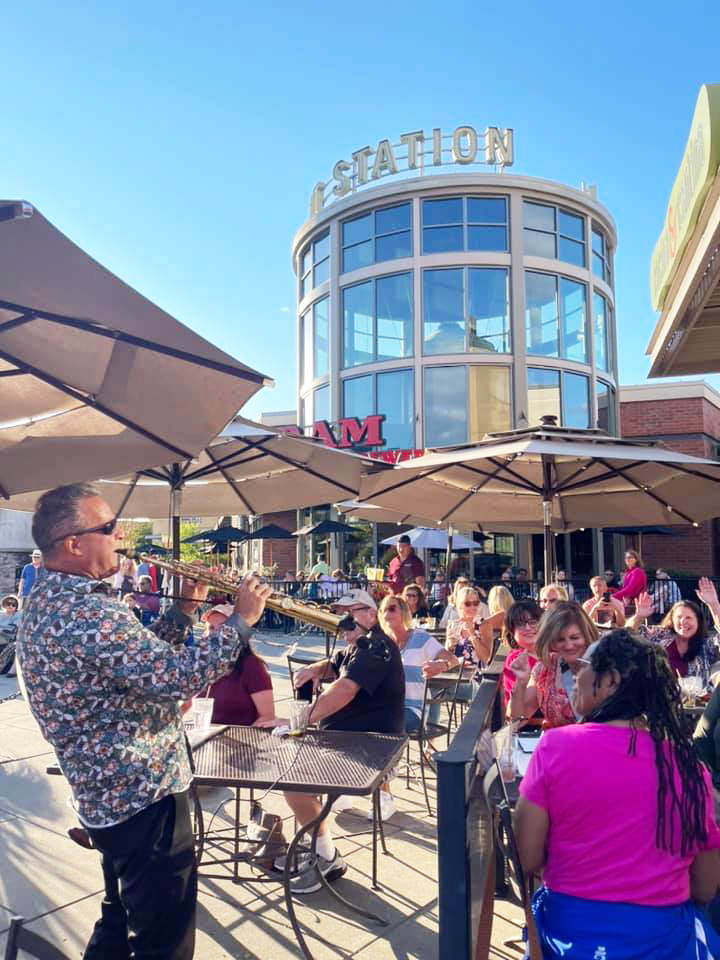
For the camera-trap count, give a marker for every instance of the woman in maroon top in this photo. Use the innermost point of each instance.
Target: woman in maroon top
(243, 697)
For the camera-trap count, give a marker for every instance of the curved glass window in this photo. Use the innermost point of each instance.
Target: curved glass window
(555, 316)
(553, 232)
(377, 320)
(462, 403)
(314, 341)
(600, 255)
(385, 234)
(321, 403)
(559, 393)
(390, 394)
(606, 407)
(601, 314)
(315, 264)
(464, 223)
(466, 310)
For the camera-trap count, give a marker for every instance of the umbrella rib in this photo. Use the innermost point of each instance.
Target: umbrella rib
(649, 493)
(92, 402)
(306, 469)
(25, 317)
(222, 461)
(127, 495)
(464, 499)
(522, 481)
(401, 483)
(591, 481)
(229, 480)
(112, 334)
(694, 473)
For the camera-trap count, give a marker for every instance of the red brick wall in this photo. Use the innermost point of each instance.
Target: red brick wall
(281, 553)
(689, 425)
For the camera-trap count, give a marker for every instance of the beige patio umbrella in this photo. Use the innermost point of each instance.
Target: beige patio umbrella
(551, 479)
(248, 470)
(95, 380)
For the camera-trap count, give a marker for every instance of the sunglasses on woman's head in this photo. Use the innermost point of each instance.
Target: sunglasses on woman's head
(471, 603)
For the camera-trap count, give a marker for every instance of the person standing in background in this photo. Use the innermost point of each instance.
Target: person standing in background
(28, 577)
(406, 567)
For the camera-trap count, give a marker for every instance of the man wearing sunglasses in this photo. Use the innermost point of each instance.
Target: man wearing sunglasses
(105, 692)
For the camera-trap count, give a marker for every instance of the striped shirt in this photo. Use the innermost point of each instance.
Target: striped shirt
(419, 648)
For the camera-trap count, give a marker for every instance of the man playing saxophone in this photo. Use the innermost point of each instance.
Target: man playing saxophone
(105, 692)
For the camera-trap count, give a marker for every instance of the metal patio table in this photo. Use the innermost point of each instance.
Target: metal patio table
(330, 762)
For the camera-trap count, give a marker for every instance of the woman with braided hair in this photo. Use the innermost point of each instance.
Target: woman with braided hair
(617, 813)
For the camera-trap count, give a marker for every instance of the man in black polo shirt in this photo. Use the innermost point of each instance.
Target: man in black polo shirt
(368, 694)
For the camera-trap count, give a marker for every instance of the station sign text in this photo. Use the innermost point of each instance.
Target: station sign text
(414, 151)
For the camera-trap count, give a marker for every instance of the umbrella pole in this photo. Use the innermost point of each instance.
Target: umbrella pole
(547, 520)
(448, 553)
(176, 507)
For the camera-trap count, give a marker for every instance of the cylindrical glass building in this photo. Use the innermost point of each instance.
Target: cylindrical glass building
(455, 305)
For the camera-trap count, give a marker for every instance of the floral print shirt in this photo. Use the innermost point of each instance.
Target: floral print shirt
(700, 666)
(105, 692)
(552, 693)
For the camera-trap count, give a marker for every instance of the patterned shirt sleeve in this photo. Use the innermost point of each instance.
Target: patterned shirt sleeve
(136, 658)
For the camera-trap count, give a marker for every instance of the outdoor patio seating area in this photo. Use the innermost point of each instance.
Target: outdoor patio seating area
(56, 885)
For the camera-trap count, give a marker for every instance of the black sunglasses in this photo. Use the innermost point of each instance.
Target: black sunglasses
(105, 529)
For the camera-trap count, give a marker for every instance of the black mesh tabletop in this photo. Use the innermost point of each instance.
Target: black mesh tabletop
(320, 761)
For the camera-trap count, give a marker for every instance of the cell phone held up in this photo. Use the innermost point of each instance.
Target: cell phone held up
(606, 597)
(305, 692)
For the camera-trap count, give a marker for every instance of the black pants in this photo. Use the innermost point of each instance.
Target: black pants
(150, 885)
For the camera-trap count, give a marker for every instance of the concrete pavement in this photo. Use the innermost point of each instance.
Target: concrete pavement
(57, 886)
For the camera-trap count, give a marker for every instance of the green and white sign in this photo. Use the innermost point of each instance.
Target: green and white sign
(697, 171)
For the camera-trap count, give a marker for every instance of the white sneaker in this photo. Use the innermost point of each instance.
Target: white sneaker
(387, 806)
(343, 803)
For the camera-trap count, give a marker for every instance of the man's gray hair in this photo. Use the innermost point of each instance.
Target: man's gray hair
(57, 514)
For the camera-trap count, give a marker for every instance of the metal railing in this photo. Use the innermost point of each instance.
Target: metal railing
(466, 848)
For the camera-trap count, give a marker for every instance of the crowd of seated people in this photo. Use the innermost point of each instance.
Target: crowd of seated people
(616, 812)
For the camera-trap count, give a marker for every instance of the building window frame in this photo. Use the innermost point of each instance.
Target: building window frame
(374, 375)
(376, 235)
(560, 315)
(465, 224)
(563, 391)
(505, 334)
(409, 344)
(463, 370)
(601, 266)
(557, 233)
(314, 260)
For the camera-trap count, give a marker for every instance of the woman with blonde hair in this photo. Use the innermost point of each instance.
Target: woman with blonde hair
(471, 635)
(565, 633)
(421, 654)
(499, 599)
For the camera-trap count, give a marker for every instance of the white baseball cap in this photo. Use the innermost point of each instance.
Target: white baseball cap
(356, 597)
(226, 609)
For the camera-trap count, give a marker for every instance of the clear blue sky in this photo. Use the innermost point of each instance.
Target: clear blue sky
(178, 143)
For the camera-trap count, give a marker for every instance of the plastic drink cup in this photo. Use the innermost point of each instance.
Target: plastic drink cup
(299, 717)
(203, 711)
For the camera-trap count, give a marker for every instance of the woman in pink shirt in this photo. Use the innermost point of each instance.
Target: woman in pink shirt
(617, 813)
(634, 581)
(522, 622)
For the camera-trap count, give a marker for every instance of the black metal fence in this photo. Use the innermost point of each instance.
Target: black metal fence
(466, 847)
